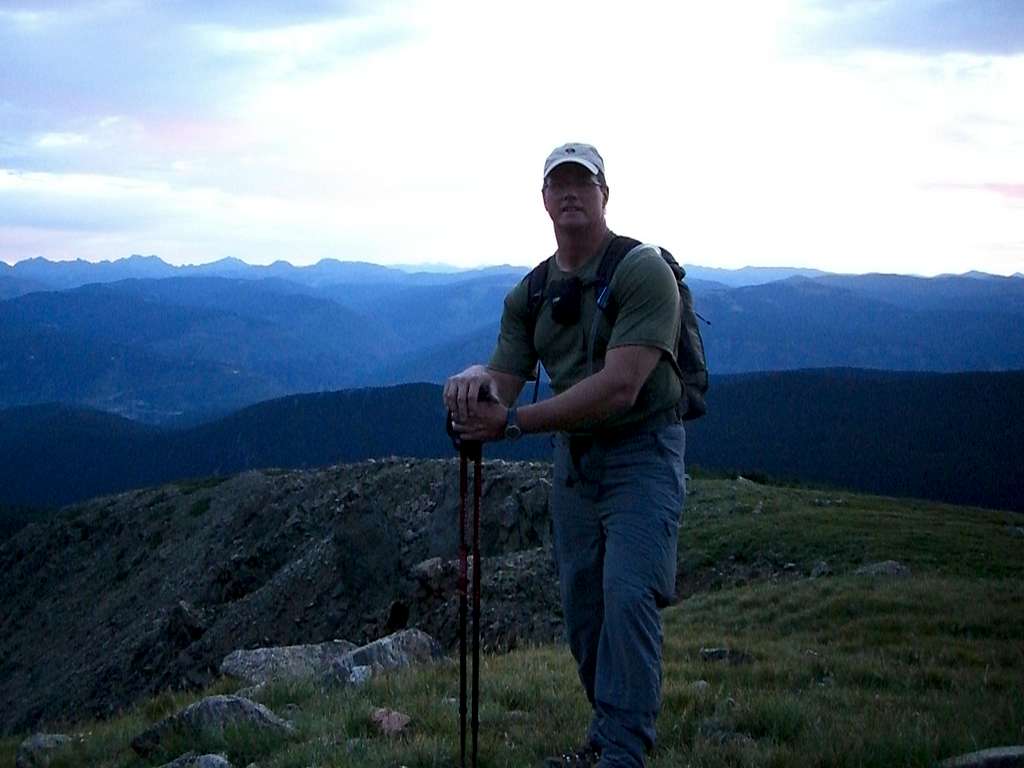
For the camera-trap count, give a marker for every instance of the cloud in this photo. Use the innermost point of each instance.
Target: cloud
(1011, 192)
(415, 132)
(913, 26)
(110, 58)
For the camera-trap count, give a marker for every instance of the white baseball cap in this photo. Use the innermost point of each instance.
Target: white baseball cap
(584, 154)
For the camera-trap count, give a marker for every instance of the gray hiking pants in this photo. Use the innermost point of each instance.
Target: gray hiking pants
(616, 508)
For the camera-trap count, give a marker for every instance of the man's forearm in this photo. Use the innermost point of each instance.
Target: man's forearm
(591, 400)
(509, 386)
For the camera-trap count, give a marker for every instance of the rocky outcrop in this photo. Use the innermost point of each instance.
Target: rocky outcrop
(37, 751)
(169, 581)
(291, 662)
(212, 715)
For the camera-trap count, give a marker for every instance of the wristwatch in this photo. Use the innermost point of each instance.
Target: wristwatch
(512, 429)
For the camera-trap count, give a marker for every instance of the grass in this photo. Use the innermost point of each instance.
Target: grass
(845, 671)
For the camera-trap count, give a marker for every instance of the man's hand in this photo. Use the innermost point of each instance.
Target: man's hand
(485, 423)
(462, 391)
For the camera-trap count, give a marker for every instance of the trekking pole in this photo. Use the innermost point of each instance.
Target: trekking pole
(469, 450)
(475, 450)
(462, 587)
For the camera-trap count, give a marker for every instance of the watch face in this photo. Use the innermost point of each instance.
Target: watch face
(513, 432)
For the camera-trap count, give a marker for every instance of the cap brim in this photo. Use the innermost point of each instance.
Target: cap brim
(562, 160)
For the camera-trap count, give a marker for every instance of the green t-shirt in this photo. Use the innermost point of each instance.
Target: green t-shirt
(644, 288)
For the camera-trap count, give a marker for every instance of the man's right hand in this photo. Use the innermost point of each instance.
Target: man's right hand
(462, 390)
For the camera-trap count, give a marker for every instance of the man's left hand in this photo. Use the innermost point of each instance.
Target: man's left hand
(484, 424)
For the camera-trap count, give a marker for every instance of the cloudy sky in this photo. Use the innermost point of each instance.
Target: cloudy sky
(848, 135)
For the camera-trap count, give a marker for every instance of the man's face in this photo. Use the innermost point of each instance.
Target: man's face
(573, 197)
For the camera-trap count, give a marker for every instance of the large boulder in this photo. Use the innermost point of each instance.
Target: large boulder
(401, 649)
(999, 757)
(37, 750)
(213, 714)
(290, 662)
(192, 760)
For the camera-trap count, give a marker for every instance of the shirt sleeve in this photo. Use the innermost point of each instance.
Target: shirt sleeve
(514, 352)
(644, 288)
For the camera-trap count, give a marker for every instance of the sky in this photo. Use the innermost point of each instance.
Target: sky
(849, 136)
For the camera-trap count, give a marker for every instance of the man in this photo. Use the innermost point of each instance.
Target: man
(618, 485)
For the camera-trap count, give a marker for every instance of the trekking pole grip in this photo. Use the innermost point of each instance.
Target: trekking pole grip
(458, 442)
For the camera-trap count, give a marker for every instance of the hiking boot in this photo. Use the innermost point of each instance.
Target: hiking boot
(587, 756)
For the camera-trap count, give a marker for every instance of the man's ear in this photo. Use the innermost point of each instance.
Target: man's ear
(604, 194)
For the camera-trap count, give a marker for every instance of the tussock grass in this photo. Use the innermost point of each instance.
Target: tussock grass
(844, 671)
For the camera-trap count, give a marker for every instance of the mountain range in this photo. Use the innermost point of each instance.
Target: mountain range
(181, 345)
(950, 437)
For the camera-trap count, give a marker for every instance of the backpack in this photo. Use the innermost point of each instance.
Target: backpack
(689, 361)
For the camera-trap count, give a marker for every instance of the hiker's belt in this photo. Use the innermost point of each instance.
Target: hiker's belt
(650, 423)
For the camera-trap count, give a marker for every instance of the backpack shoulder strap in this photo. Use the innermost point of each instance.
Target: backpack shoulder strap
(535, 284)
(617, 250)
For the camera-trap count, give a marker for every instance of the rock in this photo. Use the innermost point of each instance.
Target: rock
(215, 713)
(211, 761)
(389, 721)
(1016, 531)
(402, 649)
(725, 654)
(181, 761)
(37, 750)
(884, 568)
(999, 757)
(820, 570)
(428, 572)
(290, 662)
(191, 760)
(360, 675)
(699, 686)
(825, 502)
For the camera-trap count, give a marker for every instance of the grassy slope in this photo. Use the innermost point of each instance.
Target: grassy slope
(845, 671)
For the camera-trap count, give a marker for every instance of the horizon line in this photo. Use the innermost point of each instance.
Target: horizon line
(442, 267)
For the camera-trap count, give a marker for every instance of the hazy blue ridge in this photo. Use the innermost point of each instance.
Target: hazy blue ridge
(974, 291)
(11, 287)
(165, 347)
(736, 278)
(173, 350)
(61, 275)
(437, 362)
